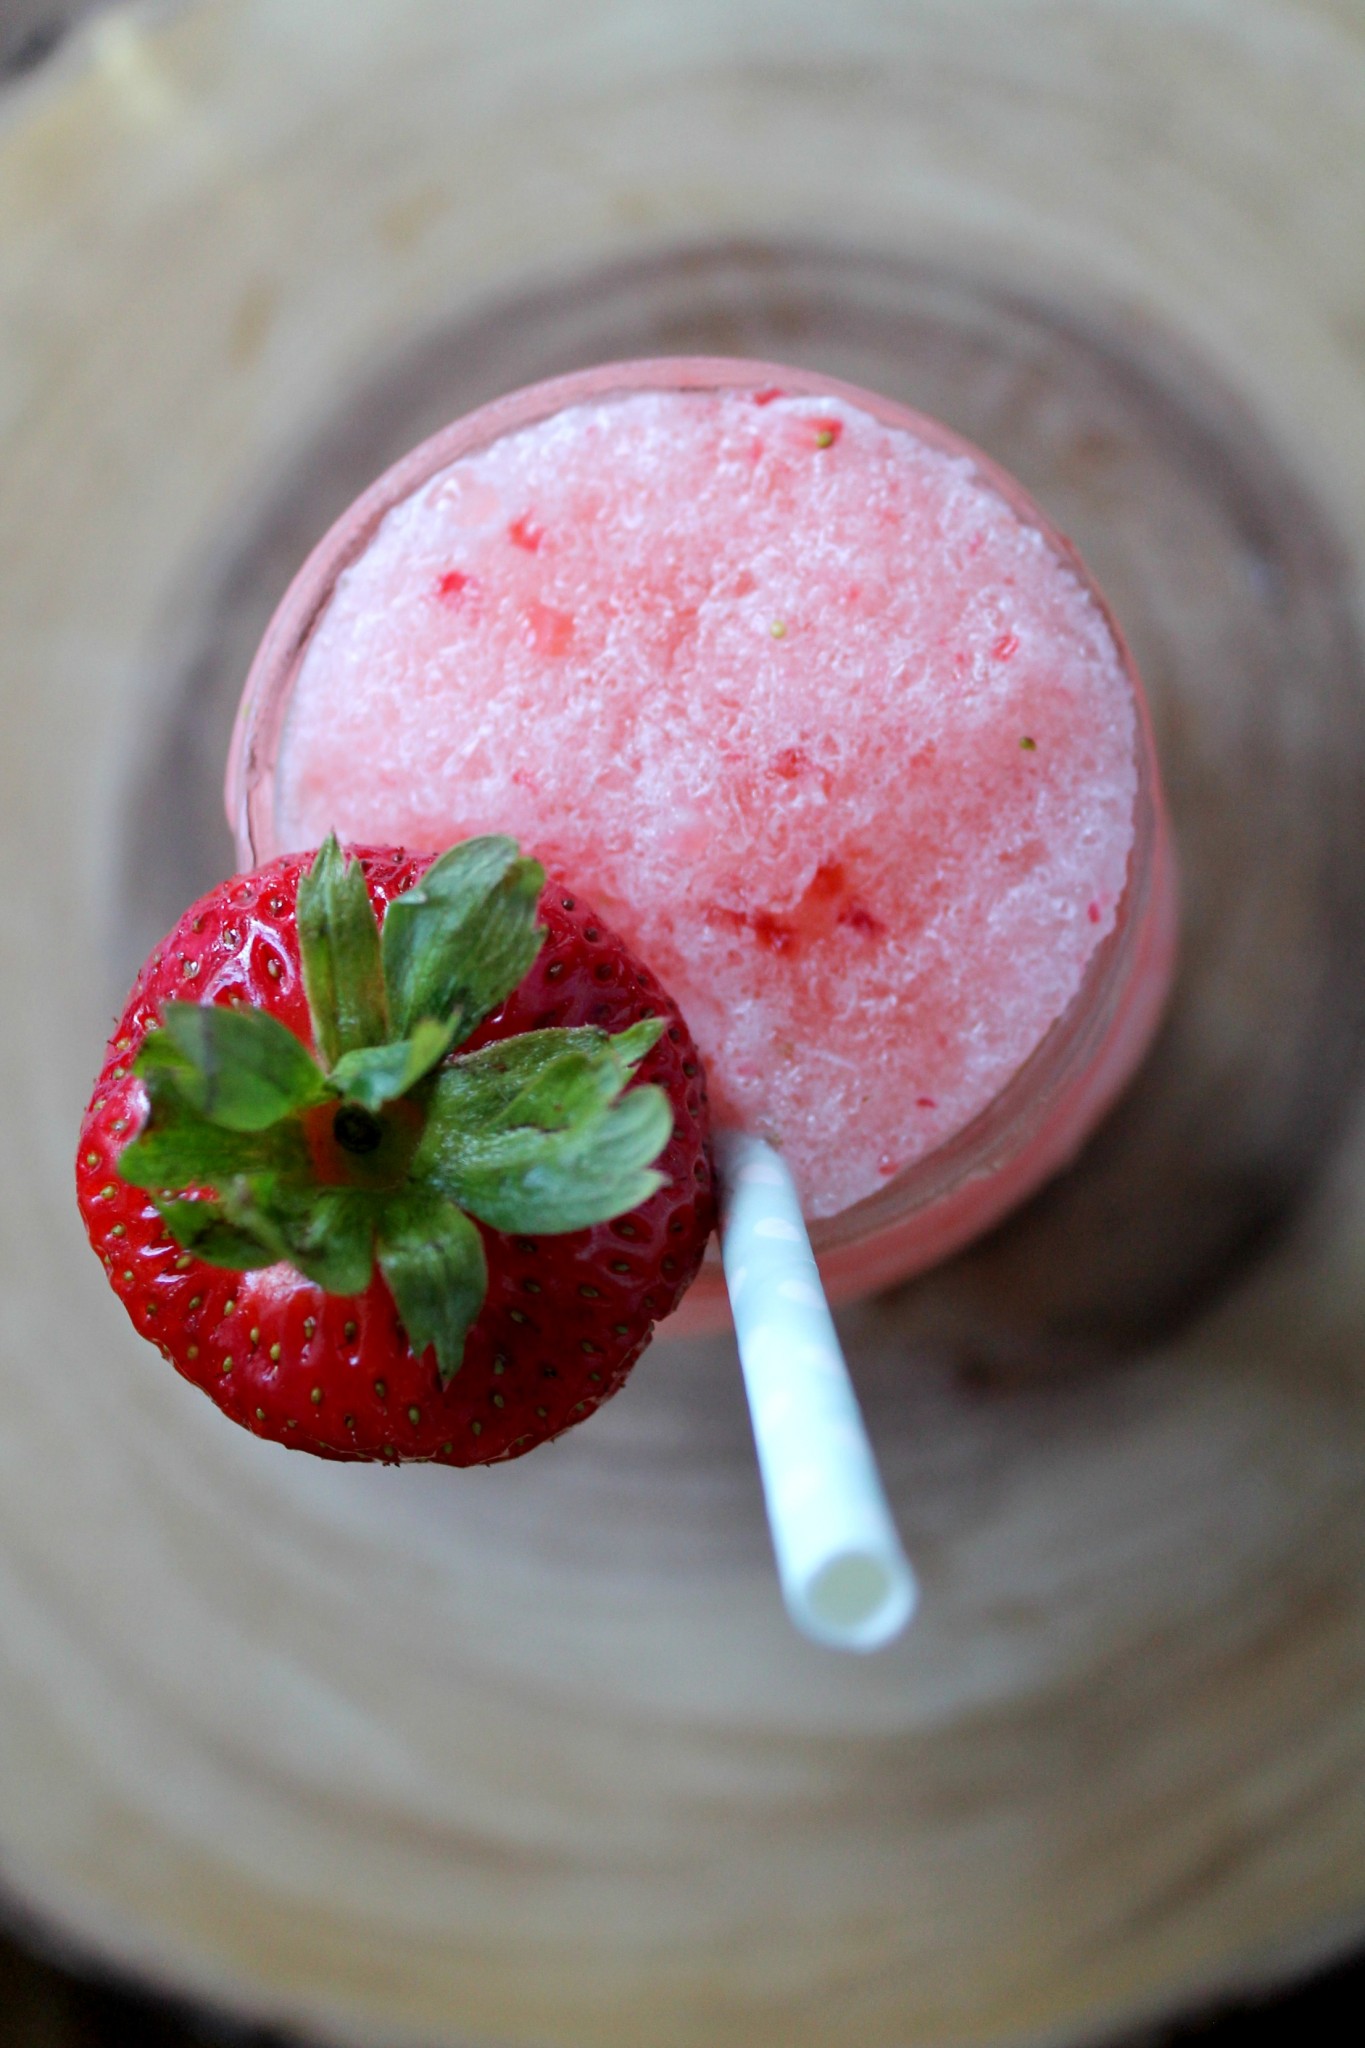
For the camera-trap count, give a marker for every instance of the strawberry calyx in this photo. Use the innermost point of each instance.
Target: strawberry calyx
(381, 1143)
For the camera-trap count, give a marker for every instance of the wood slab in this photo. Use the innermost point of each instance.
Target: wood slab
(531, 1757)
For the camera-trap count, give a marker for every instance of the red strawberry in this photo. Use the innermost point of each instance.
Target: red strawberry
(298, 1219)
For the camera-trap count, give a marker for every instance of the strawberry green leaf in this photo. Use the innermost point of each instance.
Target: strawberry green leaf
(534, 1133)
(204, 1229)
(327, 1233)
(463, 936)
(161, 1060)
(179, 1148)
(239, 1067)
(528, 1180)
(343, 975)
(433, 1259)
(480, 1090)
(377, 1074)
(567, 1089)
(631, 1045)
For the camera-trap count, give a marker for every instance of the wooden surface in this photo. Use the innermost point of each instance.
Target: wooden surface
(31, 30)
(42, 2006)
(535, 1759)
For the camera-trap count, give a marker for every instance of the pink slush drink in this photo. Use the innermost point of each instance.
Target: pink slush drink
(815, 708)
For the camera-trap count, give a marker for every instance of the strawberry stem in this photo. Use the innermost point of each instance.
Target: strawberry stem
(357, 1129)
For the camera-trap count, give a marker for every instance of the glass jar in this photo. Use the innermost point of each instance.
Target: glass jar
(1043, 1113)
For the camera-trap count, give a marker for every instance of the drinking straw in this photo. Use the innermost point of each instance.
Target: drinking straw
(844, 1575)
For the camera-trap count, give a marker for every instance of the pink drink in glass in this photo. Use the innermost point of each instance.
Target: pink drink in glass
(811, 702)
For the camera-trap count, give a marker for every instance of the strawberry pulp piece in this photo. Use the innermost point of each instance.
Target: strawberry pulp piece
(566, 1314)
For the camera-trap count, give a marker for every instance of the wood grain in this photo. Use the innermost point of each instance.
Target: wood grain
(44, 2007)
(535, 1759)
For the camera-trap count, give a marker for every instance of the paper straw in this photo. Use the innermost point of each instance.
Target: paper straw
(843, 1572)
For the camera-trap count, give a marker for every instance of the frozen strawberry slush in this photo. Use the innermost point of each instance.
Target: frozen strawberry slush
(838, 742)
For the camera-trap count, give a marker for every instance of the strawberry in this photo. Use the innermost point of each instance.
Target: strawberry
(418, 1190)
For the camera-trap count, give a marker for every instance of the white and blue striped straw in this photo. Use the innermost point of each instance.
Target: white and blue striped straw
(844, 1575)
